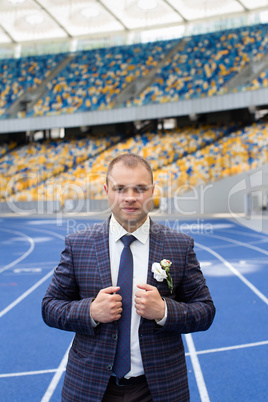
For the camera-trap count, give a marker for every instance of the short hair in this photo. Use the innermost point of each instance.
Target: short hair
(131, 161)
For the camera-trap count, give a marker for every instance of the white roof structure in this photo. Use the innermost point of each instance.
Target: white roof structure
(31, 21)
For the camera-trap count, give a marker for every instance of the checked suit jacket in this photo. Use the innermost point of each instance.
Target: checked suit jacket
(84, 270)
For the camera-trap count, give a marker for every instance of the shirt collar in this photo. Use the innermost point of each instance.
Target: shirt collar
(141, 234)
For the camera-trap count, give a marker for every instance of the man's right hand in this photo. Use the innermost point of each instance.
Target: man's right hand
(107, 306)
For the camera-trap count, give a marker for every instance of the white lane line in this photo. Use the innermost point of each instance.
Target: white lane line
(22, 257)
(24, 373)
(48, 232)
(29, 291)
(235, 272)
(235, 347)
(197, 369)
(200, 352)
(25, 294)
(55, 380)
(39, 264)
(246, 234)
(240, 243)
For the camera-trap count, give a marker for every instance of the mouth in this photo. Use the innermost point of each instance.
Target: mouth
(129, 210)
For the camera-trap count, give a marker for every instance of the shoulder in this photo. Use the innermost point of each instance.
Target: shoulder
(92, 231)
(169, 232)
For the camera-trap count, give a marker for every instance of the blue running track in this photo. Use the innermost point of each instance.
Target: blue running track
(227, 363)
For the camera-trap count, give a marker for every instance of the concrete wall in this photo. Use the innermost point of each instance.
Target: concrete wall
(30, 207)
(238, 194)
(231, 101)
(52, 207)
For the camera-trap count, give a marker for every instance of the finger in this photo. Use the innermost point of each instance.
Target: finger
(139, 294)
(119, 312)
(118, 305)
(117, 309)
(115, 302)
(145, 286)
(116, 317)
(139, 310)
(117, 298)
(138, 306)
(110, 289)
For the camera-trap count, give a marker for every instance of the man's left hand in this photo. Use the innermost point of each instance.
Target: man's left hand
(149, 303)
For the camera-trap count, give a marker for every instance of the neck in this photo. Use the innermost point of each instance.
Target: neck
(131, 226)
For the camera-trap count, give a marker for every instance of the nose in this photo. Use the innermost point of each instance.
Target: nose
(130, 194)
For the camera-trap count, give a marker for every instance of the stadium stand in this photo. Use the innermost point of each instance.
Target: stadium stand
(23, 75)
(203, 65)
(238, 152)
(28, 166)
(7, 147)
(62, 160)
(261, 81)
(94, 78)
(180, 158)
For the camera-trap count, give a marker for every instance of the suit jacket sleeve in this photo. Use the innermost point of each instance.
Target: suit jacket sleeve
(62, 306)
(191, 308)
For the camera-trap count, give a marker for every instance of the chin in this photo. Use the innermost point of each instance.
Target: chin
(131, 214)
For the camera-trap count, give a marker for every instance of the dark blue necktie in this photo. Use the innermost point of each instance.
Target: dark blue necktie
(125, 279)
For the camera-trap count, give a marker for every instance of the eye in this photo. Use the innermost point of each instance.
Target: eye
(141, 189)
(119, 189)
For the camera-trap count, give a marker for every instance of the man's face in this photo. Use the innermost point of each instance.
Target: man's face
(129, 192)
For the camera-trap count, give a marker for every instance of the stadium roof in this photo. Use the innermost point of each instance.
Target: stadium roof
(23, 21)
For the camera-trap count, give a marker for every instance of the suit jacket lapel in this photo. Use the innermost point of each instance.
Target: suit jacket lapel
(101, 240)
(155, 251)
(102, 253)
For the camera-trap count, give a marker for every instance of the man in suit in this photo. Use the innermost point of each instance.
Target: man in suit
(121, 352)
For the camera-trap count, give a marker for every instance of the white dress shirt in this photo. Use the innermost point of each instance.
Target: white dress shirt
(140, 252)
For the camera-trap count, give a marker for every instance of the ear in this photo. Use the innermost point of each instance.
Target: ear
(105, 188)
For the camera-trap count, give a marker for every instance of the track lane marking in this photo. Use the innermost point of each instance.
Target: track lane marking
(240, 243)
(48, 232)
(37, 284)
(235, 272)
(197, 369)
(235, 347)
(55, 380)
(22, 257)
(25, 294)
(262, 236)
(200, 352)
(25, 373)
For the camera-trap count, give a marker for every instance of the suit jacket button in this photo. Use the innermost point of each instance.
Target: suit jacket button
(109, 367)
(114, 336)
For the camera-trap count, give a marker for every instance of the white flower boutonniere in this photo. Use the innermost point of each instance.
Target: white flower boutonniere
(161, 272)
